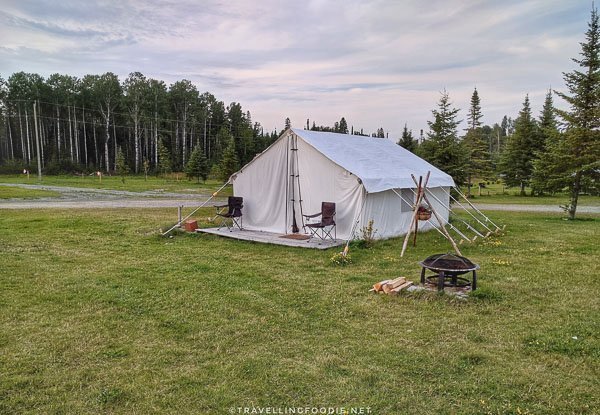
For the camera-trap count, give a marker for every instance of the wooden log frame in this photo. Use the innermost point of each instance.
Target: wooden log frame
(421, 196)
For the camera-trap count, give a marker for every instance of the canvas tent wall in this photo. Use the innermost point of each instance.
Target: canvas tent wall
(364, 176)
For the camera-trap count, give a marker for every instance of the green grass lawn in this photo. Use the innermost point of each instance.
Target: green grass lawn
(176, 182)
(8, 192)
(99, 314)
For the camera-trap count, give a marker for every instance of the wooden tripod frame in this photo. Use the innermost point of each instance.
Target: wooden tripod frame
(422, 196)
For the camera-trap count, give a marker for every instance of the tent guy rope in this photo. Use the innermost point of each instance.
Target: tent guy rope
(178, 224)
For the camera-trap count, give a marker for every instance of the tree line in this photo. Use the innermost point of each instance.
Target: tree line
(83, 123)
(557, 151)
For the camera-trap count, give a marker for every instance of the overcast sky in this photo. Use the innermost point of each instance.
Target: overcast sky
(377, 63)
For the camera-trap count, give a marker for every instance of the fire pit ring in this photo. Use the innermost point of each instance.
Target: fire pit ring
(448, 267)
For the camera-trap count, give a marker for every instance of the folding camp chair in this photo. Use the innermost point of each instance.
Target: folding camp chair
(326, 224)
(234, 212)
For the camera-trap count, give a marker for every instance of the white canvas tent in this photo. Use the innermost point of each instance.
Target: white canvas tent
(368, 178)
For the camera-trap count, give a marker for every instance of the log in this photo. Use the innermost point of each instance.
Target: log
(387, 288)
(401, 287)
(377, 286)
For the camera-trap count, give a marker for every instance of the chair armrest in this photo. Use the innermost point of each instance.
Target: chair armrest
(312, 216)
(220, 206)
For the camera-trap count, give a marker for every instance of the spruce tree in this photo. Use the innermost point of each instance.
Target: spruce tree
(545, 177)
(442, 148)
(517, 160)
(407, 141)
(229, 162)
(197, 165)
(479, 161)
(343, 126)
(474, 115)
(164, 159)
(577, 152)
(121, 165)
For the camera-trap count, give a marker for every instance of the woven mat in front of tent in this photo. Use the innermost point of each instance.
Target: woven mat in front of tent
(297, 236)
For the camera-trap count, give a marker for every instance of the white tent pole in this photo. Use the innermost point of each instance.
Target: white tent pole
(467, 210)
(473, 206)
(449, 213)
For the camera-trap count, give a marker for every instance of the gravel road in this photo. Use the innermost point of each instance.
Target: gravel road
(82, 198)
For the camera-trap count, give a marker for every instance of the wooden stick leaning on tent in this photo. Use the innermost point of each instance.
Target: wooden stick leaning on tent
(420, 197)
(419, 189)
(442, 226)
(415, 212)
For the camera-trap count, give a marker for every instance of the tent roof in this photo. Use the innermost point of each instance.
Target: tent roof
(378, 162)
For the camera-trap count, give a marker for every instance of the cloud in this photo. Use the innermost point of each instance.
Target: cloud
(378, 63)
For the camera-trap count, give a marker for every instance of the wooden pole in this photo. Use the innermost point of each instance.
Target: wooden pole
(442, 226)
(417, 207)
(37, 143)
(414, 216)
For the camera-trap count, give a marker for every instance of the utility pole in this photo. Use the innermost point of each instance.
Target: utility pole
(37, 142)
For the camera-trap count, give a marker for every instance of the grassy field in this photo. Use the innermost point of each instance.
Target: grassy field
(176, 182)
(8, 192)
(99, 314)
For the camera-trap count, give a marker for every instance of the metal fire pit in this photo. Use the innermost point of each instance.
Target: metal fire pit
(448, 267)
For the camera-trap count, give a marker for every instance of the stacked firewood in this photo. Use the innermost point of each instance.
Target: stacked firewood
(391, 286)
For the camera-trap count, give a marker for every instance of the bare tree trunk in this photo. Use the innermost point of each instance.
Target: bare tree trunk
(145, 141)
(58, 132)
(155, 136)
(209, 124)
(184, 138)
(106, 141)
(77, 156)
(84, 139)
(42, 133)
(115, 141)
(28, 136)
(21, 135)
(10, 138)
(177, 140)
(71, 136)
(97, 165)
(136, 139)
(575, 195)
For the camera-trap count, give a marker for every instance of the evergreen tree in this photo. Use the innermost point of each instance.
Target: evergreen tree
(230, 162)
(164, 159)
(197, 165)
(442, 148)
(577, 152)
(474, 115)
(407, 141)
(544, 177)
(479, 163)
(288, 123)
(121, 165)
(343, 126)
(517, 160)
